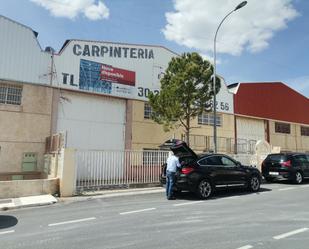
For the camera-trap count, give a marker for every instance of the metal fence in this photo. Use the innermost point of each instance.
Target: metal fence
(97, 170)
(224, 144)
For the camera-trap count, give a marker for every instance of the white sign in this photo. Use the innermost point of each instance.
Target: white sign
(120, 70)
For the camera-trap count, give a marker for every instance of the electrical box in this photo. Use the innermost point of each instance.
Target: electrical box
(29, 162)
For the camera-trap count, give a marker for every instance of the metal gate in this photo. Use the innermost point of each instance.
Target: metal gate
(97, 170)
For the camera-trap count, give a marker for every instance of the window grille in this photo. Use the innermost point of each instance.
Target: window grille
(304, 131)
(208, 119)
(282, 128)
(147, 111)
(10, 94)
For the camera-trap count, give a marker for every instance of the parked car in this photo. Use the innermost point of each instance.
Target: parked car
(203, 173)
(286, 166)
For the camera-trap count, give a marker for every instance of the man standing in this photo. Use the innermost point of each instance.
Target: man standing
(171, 167)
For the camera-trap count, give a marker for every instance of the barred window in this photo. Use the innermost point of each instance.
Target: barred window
(208, 119)
(10, 94)
(304, 131)
(282, 128)
(147, 111)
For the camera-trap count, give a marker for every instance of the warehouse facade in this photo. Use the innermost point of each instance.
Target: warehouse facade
(273, 112)
(95, 93)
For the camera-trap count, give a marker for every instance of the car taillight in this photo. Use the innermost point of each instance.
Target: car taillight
(286, 163)
(187, 170)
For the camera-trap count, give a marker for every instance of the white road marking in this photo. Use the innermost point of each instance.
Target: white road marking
(245, 247)
(283, 189)
(282, 236)
(187, 203)
(305, 186)
(6, 232)
(71, 221)
(137, 211)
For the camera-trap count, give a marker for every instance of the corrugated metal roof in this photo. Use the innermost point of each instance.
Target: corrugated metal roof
(271, 100)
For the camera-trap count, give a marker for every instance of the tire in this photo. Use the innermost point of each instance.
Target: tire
(298, 178)
(204, 189)
(254, 183)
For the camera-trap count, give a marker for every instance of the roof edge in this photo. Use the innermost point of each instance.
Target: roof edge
(65, 44)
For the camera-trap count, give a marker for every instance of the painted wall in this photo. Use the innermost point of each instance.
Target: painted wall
(115, 69)
(25, 127)
(289, 142)
(148, 134)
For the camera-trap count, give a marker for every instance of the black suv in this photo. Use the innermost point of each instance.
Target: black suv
(286, 166)
(203, 173)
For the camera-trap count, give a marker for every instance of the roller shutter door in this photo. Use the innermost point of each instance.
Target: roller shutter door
(250, 129)
(92, 122)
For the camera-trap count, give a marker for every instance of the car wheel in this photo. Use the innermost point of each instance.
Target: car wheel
(298, 178)
(204, 189)
(254, 183)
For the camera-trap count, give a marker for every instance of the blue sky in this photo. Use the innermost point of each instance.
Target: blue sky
(267, 40)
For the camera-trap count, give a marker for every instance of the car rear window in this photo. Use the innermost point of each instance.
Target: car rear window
(276, 158)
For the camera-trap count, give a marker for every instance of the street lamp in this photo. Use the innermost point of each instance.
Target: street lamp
(242, 4)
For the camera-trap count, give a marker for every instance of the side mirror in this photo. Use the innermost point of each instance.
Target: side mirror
(238, 164)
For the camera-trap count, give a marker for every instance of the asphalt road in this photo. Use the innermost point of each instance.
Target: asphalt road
(276, 217)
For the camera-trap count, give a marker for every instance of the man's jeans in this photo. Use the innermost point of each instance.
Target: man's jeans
(170, 181)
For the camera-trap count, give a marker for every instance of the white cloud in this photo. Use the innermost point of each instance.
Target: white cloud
(72, 8)
(194, 22)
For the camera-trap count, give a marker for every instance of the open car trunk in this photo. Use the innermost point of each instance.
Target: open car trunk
(180, 149)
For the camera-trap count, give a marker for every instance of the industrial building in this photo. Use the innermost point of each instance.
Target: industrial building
(274, 112)
(95, 93)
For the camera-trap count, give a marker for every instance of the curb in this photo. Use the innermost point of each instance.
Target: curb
(30, 201)
(90, 195)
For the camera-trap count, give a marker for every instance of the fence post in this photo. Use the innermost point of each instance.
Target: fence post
(68, 176)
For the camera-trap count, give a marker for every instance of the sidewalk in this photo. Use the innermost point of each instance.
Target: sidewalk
(88, 195)
(41, 200)
(30, 201)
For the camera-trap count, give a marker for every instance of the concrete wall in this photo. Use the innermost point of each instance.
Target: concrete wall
(148, 134)
(24, 128)
(21, 188)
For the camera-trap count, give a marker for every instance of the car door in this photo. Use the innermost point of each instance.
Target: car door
(301, 163)
(211, 166)
(233, 172)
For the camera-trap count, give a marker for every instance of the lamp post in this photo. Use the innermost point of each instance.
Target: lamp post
(242, 4)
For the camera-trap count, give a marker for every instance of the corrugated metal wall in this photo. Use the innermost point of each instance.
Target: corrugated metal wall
(22, 58)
